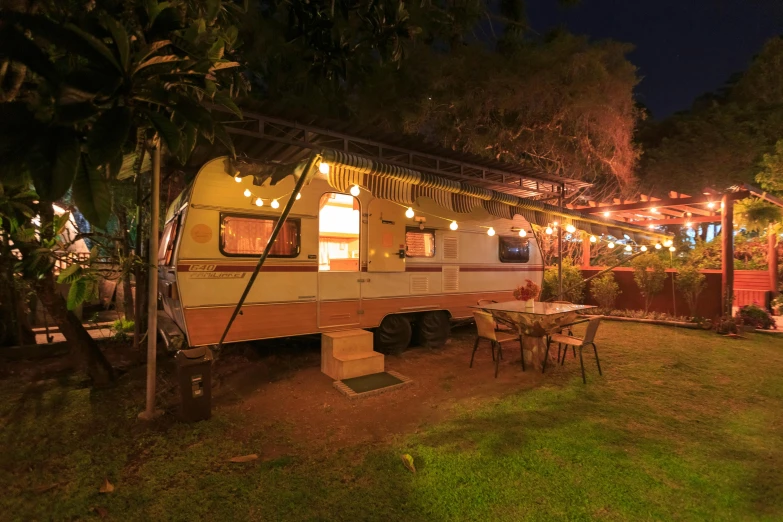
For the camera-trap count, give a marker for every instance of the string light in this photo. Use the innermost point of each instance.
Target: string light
(606, 214)
(548, 231)
(491, 231)
(651, 226)
(672, 249)
(689, 224)
(522, 232)
(259, 202)
(248, 193)
(554, 224)
(593, 239)
(644, 248)
(688, 214)
(275, 204)
(668, 243)
(409, 213)
(298, 196)
(355, 190)
(610, 245)
(654, 210)
(711, 205)
(628, 248)
(237, 179)
(453, 225)
(323, 168)
(657, 246)
(570, 228)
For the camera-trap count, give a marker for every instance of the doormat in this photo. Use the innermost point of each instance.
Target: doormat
(372, 384)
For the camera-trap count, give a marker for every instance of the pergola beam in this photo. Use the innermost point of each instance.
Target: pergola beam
(683, 220)
(664, 202)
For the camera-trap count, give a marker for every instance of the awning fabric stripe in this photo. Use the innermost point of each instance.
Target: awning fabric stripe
(403, 185)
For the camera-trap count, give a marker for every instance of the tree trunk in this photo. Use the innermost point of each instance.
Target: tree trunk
(84, 348)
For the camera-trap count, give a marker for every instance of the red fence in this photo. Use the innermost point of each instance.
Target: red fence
(750, 287)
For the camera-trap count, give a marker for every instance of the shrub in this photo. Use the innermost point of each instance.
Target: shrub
(572, 279)
(605, 290)
(690, 282)
(649, 273)
(756, 317)
(121, 328)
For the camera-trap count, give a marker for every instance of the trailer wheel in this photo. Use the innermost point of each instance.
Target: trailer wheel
(433, 328)
(393, 335)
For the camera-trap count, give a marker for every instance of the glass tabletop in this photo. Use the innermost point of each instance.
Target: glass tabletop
(538, 308)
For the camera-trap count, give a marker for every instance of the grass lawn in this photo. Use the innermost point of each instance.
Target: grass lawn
(684, 425)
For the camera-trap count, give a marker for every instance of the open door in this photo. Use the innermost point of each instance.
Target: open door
(386, 242)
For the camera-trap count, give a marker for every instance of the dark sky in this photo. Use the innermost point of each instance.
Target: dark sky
(684, 48)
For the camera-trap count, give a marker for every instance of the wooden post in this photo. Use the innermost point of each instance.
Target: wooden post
(727, 254)
(585, 250)
(772, 257)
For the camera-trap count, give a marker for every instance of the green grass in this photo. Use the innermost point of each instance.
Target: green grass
(684, 425)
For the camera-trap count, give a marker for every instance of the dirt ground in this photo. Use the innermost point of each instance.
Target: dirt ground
(287, 398)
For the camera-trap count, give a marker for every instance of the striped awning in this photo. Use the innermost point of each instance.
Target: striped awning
(405, 186)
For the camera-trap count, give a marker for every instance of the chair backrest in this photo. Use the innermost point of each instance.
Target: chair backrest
(485, 325)
(562, 302)
(484, 302)
(592, 328)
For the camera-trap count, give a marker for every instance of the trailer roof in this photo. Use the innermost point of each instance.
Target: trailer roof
(269, 134)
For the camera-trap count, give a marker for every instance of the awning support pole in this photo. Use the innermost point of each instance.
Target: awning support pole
(275, 231)
(727, 255)
(560, 248)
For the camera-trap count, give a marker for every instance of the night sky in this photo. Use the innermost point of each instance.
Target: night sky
(684, 48)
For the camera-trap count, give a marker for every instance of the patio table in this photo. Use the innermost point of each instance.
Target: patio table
(533, 324)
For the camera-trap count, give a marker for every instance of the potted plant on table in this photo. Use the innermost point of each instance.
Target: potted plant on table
(527, 293)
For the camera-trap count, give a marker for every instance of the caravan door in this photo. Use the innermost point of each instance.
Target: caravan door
(339, 266)
(386, 245)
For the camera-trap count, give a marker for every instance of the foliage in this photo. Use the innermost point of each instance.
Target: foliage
(750, 253)
(729, 325)
(755, 214)
(573, 283)
(777, 304)
(605, 290)
(756, 317)
(99, 81)
(528, 291)
(122, 327)
(690, 282)
(641, 314)
(83, 281)
(649, 273)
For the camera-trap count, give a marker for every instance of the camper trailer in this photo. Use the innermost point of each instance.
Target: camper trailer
(348, 256)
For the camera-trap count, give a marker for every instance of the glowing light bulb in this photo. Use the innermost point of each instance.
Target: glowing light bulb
(593, 239)
(570, 228)
(237, 179)
(453, 225)
(710, 205)
(259, 202)
(355, 191)
(689, 224)
(491, 231)
(522, 232)
(688, 214)
(323, 168)
(275, 204)
(644, 248)
(668, 243)
(657, 246)
(409, 213)
(554, 224)
(628, 248)
(606, 214)
(248, 193)
(610, 245)
(654, 210)
(299, 196)
(651, 226)
(672, 249)
(548, 231)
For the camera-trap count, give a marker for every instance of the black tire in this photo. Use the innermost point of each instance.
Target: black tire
(393, 335)
(433, 328)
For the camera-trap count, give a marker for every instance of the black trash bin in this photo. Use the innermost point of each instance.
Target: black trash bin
(194, 374)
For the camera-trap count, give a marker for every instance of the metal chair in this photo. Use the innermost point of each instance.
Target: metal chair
(575, 342)
(498, 326)
(485, 325)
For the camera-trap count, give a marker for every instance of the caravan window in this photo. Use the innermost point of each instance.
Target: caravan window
(166, 250)
(248, 235)
(514, 250)
(419, 243)
(339, 222)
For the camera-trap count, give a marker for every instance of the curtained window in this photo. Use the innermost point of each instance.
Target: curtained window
(419, 243)
(245, 235)
(513, 250)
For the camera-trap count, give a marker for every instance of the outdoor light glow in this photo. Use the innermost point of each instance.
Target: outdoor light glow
(323, 168)
(275, 204)
(644, 248)
(651, 226)
(672, 249)
(657, 246)
(355, 190)
(570, 228)
(654, 210)
(522, 232)
(593, 239)
(688, 214)
(606, 214)
(710, 205)
(299, 196)
(409, 213)
(237, 179)
(248, 193)
(548, 231)
(453, 225)
(689, 224)
(554, 224)
(491, 231)
(610, 245)
(259, 202)
(668, 243)
(628, 248)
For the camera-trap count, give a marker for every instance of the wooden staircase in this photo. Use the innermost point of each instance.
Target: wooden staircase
(348, 354)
